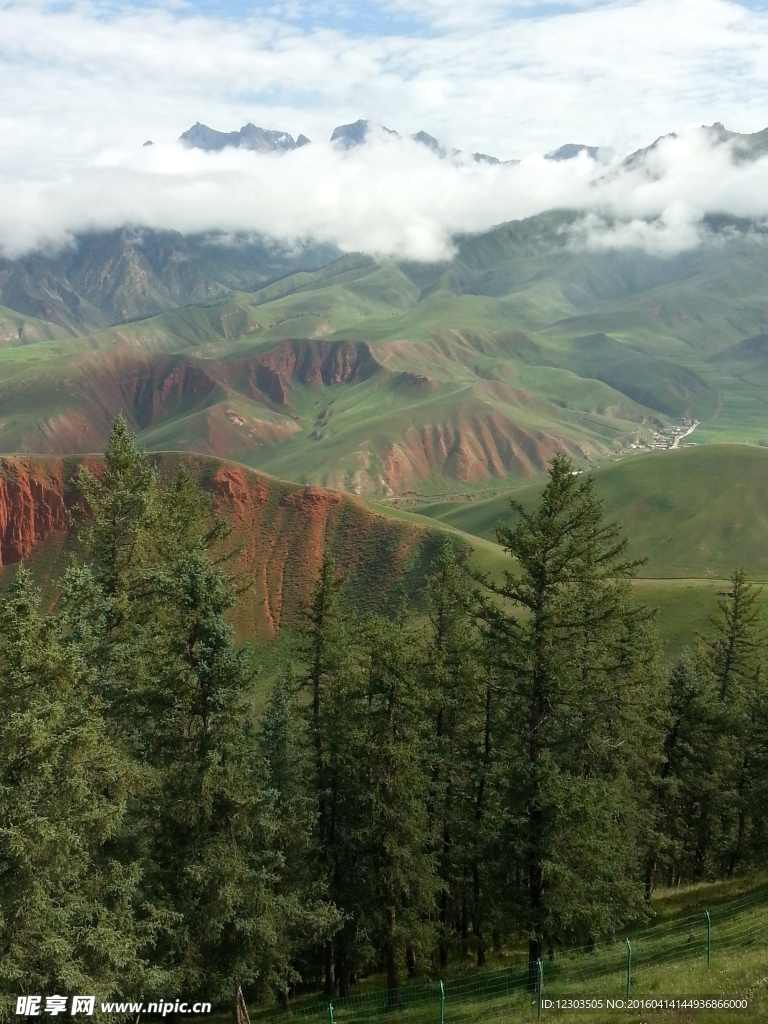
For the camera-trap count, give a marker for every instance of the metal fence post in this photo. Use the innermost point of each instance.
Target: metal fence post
(442, 1003)
(709, 937)
(330, 1013)
(629, 967)
(541, 984)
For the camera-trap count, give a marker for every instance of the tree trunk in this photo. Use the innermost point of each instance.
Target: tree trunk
(330, 973)
(737, 853)
(535, 851)
(342, 971)
(650, 871)
(239, 1008)
(535, 947)
(443, 928)
(535, 815)
(477, 924)
(410, 960)
(390, 955)
(480, 949)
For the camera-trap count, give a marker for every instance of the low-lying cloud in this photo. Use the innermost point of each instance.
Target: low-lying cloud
(388, 197)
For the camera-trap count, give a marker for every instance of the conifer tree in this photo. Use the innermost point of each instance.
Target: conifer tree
(585, 706)
(328, 655)
(66, 904)
(719, 693)
(153, 608)
(288, 774)
(458, 699)
(397, 878)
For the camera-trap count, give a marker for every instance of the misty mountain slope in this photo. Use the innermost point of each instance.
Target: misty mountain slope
(114, 277)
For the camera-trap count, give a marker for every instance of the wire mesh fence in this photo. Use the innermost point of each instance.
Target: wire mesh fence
(629, 964)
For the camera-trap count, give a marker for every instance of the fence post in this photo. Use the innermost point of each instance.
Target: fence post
(709, 937)
(442, 1003)
(629, 967)
(541, 983)
(330, 1013)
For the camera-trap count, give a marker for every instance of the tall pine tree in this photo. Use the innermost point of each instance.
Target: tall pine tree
(585, 713)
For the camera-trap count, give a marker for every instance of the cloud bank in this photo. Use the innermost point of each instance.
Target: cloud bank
(83, 85)
(388, 197)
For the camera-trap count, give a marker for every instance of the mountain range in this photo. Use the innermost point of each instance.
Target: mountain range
(347, 136)
(200, 136)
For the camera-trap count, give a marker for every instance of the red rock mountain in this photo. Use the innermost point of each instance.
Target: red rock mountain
(280, 528)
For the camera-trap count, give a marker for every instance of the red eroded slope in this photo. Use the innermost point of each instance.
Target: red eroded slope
(279, 529)
(32, 505)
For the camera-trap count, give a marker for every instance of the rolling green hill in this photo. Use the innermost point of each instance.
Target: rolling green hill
(412, 381)
(693, 513)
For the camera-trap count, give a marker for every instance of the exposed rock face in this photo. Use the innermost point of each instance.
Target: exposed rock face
(473, 449)
(348, 135)
(31, 505)
(311, 363)
(280, 530)
(284, 529)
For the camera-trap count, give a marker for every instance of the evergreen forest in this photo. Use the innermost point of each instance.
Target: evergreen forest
(509, 762)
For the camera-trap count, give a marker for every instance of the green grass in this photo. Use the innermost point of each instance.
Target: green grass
(669, 958)
(693, 513)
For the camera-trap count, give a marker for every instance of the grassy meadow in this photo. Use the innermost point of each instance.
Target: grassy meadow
(693, 515)
(669, 959)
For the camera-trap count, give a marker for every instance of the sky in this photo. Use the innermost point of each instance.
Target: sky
(84, 84)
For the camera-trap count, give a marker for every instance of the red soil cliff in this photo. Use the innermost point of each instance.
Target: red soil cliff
(281, 530)
(31, 505)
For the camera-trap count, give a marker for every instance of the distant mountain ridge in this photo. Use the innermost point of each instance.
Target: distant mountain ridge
(349, 135)
(262, 140)
(114, 277)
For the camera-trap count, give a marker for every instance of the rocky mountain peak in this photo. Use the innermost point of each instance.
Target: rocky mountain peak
(250, 136)
(571, 150)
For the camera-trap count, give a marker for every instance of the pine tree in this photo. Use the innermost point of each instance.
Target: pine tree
(585, 711)
(397, 879)
(151, 607)
(720, 693)
(212, 845)
(328, 654)
(459, 700)
(67, 905)
(288, 778)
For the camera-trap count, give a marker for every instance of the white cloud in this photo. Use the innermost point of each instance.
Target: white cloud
(388, 197)
(80, 92)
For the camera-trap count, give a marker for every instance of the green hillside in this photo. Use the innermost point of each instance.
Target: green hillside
(692, 513)
(476, 370)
